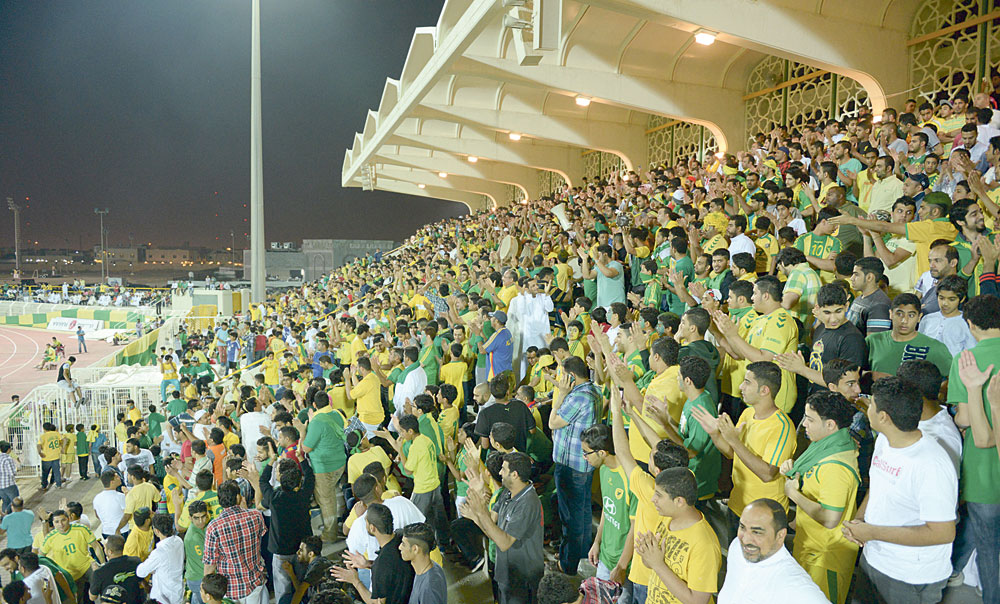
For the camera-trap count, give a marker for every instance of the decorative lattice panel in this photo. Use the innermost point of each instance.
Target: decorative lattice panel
(947, 64)
(710, 145)
(659, 142)
(687, 142)
(808, 100)
(993, 42)
(513, 194)
(592, 166)
(765, 111)
(851, 96)
(549, 181)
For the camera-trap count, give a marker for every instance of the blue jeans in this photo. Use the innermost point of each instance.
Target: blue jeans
(7, 495)
(163, 388)
(639, 593)
(573, 493)
(195, 587)
(984, 522)
(53, 467)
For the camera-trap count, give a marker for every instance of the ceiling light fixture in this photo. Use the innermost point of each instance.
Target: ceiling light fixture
(473, 159)
(421, 186)
(582, 101)
(514, 136)
(443, 174)
(704, 37)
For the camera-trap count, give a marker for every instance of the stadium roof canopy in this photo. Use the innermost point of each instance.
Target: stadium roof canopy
(566, 77)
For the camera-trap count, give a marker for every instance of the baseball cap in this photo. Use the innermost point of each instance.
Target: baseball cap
(944, 102)
(770, 163)
(499, 316)
(114, 594)
(920, 179)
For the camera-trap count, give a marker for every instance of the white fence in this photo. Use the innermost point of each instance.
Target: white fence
(21, 425)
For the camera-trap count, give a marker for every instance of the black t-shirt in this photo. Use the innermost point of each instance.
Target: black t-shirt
(392, 577)
(846, 342)
(119, 571)
(514, 413)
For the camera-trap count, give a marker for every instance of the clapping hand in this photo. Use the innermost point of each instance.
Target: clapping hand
(969, 373)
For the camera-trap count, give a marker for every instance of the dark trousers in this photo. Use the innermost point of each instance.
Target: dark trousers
(51, 467)
(468, 538)
(82, 463)
(573, 493)
(7, 495)
(518, 594)
(431, 506)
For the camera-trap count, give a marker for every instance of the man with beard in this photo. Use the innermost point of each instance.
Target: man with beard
(944, 261)
(968, 218)
(759, 568)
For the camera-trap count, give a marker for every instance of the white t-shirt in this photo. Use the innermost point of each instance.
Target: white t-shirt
(166, 564)
(909, 487)
(779, 578)
(741, 243)
(799, 226)
(403, 513)
(942, 429)
(34, 583)
(250, 424)
(143, 458)
(110, 507)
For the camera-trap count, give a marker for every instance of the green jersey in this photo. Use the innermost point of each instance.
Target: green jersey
(194, 549)
(156, 424)
(980, 466)
(82, 446)
(885, 354)
(707, 462)
(619, 509)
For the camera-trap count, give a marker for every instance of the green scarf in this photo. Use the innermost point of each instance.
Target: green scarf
(837, 442)
(407, 371)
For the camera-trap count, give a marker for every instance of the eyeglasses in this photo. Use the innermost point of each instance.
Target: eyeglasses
(589, 453)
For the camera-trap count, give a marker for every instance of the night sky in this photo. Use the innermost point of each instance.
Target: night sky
(143, 107)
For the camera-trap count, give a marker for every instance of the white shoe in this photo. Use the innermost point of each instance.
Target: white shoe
(956, 579)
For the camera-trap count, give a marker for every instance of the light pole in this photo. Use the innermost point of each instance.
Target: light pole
(17, 235)
(104, 258)
(232, 236)
(258, 273)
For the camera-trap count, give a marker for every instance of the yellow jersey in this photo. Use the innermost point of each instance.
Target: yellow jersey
(368, 395)
(693, 554)
(833, 483)
(773, 440)
(50, 444)
(139, 543)
(454, 373)
(664, 386)
(421, 463)
(70, 550)
(777, 333)
(642, 484)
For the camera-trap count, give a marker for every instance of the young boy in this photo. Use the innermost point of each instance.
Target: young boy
(194, 549)
(82, 451)
(888, 349)
(213, 589)
(140, 539)
(947, 325)
(454, 373)
(619, 505)
(835, 338)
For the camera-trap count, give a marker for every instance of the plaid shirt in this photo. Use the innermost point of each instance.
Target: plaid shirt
(7, 471)
(232, 545)
(579, 408)
(805, 282)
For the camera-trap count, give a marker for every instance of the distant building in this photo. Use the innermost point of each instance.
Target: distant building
(316, 257)
(162, 255)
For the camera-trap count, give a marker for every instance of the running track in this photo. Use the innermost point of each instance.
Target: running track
(21, 349)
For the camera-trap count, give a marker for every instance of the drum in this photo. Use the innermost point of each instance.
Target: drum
(510, 248)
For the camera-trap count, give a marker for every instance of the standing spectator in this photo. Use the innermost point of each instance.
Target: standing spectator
(290, 518)
(870, 310)
(232, 547)
(517, 530)
(391, 576)
(619, 506)
(16, 527)
(324, 442)
(499, 347)
(759, 570)
(506, 410)
(118, 570)
(81, 342)
(82, 452)
(69, 546)
(109, 505)
(165, 563)
(429, 584)
(906, 523)
(972, 374)
(194, 548)
(762, 439)
(39, 581)
(575, 408)
(8, 471)
(48, 449)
